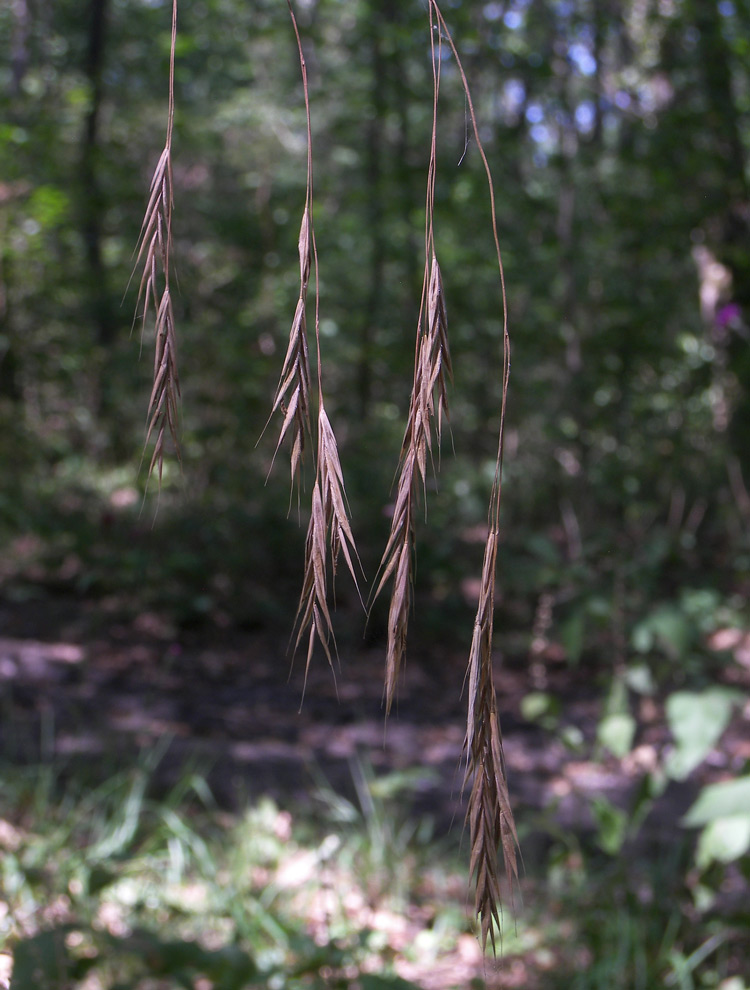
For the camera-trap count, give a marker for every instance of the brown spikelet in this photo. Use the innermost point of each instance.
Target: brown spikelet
(328, 527)
(490, 817)
(293, 391)
(437, 354)
(312, 612)
(334, 496)
(431, 367)
(154, 252)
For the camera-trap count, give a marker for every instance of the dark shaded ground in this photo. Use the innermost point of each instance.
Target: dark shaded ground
(78, 684)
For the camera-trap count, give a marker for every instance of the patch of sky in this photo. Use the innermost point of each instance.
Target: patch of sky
(512, 18)
(582, 59)
(514, 93)
(585, 116)
(534, 113)
(540, 134)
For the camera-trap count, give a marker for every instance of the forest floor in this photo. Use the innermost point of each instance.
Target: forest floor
(83, 687)
(77, 685)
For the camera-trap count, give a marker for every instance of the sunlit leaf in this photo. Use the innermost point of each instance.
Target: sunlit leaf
(697, 721)
(616, 732)
(724, 840)
(724, 800)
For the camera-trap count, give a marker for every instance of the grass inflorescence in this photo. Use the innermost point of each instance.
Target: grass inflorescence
(329, 532)
(154, 293)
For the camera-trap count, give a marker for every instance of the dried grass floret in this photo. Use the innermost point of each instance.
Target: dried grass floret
(432, 364)
(329, 528)
(293, 391)
(490, 816)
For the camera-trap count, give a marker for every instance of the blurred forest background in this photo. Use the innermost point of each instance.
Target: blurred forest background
(618, 132)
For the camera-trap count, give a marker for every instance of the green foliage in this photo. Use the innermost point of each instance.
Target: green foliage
(724, 812)
(143, 884)
(697, 721)
(616, 379)
(380, 839)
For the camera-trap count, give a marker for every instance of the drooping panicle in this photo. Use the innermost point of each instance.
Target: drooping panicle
(329, 530)
(432, 368)
(154, 252)
(494, 841)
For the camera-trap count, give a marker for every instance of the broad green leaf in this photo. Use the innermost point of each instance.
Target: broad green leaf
(616, 733)
(642, 638)
(724, 840)
(697, 721)
(640, 679)
(701, 604)
(725, 800)
(667, 627)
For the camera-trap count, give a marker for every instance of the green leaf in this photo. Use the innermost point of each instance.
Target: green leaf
(616, 733)
(572, 738)
(642, 639)
(697, 721)
(725, 800)
(669, 628)
(612, 825)
(724, 840)
(640, 679)
(536, 704)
